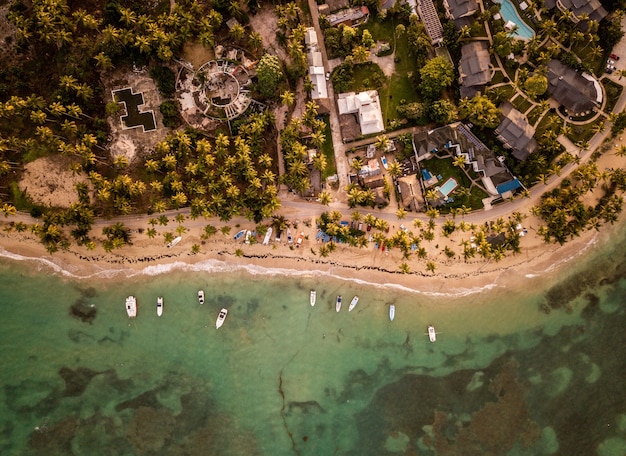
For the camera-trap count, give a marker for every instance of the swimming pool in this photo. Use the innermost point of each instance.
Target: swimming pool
(448, 187)
(509, 13)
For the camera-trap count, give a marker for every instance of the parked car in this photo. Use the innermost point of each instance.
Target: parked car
(614, 56)
(327, 75)
(610, 62)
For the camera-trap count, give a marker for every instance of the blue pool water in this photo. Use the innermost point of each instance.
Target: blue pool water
(448, 186)
(509, 13)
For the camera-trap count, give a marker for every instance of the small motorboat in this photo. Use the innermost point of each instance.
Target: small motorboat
(313, 297)
(432, 334)
(248, 236)
(353, 303)
(289, 237)
(175, 241)
(160, 306)
(220, 318)
(392, 312)
(338, 303)
(299, 240)
(201, 296)
(131, 306)
(239, 234)
(268, 236)
(384, 161)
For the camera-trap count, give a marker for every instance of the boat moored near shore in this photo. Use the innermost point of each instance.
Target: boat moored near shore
(313, 297)
(432, 334)
(160, 306)
(220, 318)
(392, 312)
(353, 303)
(131, 306)
(338, 303)
(201, 296)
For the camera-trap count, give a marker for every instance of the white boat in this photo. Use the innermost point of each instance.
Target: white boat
(353, 303)
(239, 234)
(289, 238)
(248, 235)
(392, 312)
(131, 306)
(432, 334)
(220, 318)
(383, 159)
(175, 241)
(268, 236)
(338, 304)
(313, 297)
(160, 306)
(201, 296)
(299, 240)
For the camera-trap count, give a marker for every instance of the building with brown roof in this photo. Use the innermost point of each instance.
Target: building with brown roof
(474, 68)
(578, 93)
(516, 133)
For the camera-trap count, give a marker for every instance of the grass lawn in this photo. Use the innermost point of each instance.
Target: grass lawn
(534, 115)
(583, 132)
(507, 90)
(498, 77)
(549, 121)
(521, 103)
(367, 76)
(613, 92)
(328, 151)
(381, 31)
(400, 88)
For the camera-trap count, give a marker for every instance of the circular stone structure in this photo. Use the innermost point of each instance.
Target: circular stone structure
(221, 89)
(215, 92)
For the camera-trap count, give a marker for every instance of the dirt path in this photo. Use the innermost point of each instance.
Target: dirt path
(265, 22)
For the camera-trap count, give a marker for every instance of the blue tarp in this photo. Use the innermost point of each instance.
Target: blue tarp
(508, 186)
(426, 174)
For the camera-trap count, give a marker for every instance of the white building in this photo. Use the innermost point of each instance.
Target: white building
(316, 65)
(366, 105)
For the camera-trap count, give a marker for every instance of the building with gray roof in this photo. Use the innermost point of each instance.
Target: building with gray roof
(460, 11)
(592, 8)
(430, 18)
(474, 68)
(516, 133)
(578, 93)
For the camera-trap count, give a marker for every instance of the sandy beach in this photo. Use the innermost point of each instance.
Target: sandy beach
(366, 264)
(452, 275)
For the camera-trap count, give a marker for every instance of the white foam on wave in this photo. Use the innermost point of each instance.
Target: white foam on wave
(46, 263)
(218, 266)
(561, 261)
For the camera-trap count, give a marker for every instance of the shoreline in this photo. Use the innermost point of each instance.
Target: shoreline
(364, 266)
(221, 253)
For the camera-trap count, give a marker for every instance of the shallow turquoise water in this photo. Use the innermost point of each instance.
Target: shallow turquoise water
(282, 377)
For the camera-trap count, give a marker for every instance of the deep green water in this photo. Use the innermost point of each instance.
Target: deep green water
(283, 378)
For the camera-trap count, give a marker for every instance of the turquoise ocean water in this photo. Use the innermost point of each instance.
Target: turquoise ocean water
(284, 378)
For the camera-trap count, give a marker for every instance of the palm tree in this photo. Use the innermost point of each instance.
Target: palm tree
(382, 143)
(431, 267)
(357, 163)
(621, 151)
(319, 162)
(459, 161)
(288, 98)
(401, 213)
(394, 169)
